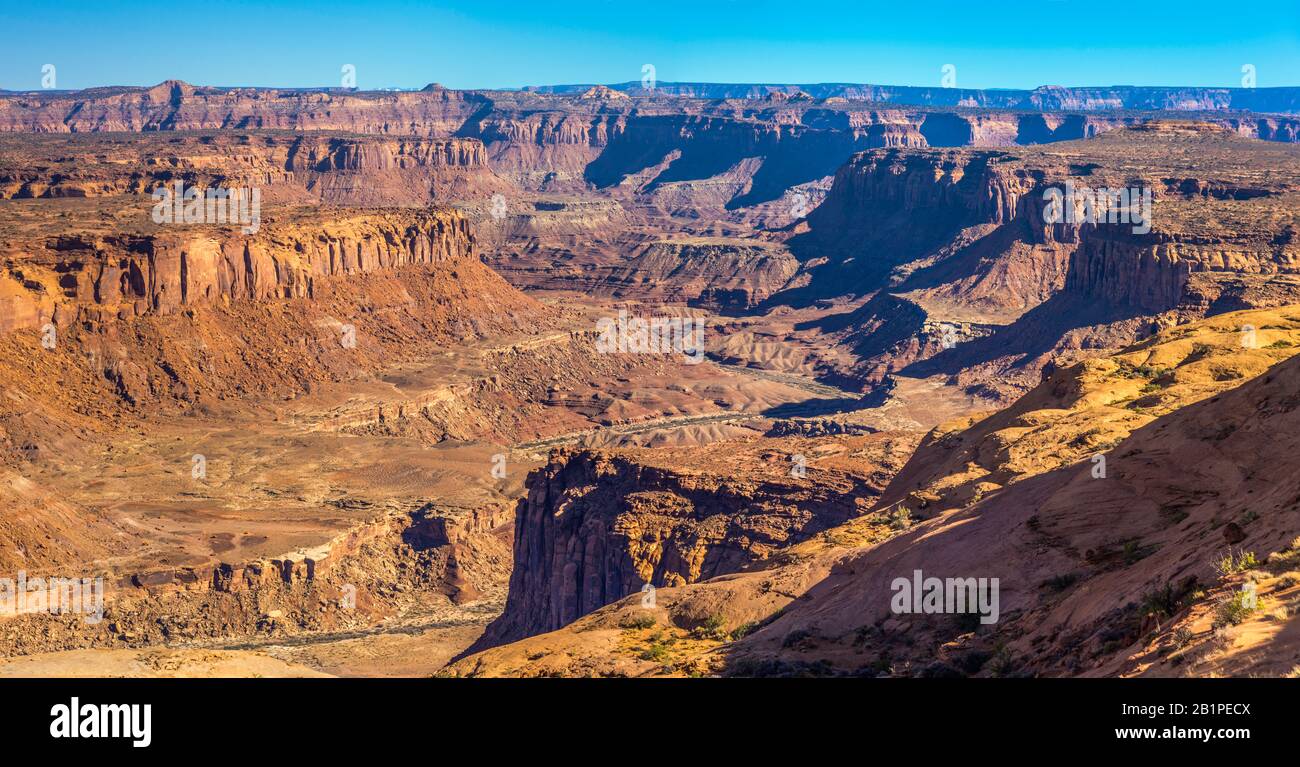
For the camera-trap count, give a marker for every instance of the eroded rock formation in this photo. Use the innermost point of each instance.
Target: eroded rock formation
(960, 238)
(600, 525)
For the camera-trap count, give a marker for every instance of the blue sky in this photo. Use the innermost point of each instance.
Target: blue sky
(503, 43)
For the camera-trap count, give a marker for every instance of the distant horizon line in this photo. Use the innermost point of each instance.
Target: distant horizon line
(637, 86)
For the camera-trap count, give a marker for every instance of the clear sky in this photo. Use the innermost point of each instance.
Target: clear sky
(506, 43)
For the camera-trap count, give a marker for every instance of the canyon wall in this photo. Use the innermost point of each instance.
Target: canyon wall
(176, 106)
(1045, 98)
(561, 140)
(94, 277)
(597, 526)
(317, 167)
(373, 570)
(960, 237)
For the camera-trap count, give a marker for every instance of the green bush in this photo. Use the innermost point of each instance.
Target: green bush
(1235, 609)
(657, 652)
(1161, 603)
(712, 628)
(640, 621)
(1231, 564)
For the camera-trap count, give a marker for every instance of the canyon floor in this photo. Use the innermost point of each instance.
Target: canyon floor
(285, 480)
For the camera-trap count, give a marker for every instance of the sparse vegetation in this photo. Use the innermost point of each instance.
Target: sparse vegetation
(1234, 609)
(1061, 582)
(643, 620)
(898, 518)
(1232, 563)
(796, 638)
(1135, 552)
(1161, 603)
(712, 628)
(1001, 663)
(657, 652)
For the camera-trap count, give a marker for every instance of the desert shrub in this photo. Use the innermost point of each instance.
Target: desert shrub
(1061, 582)
(795, 637)
(1231, 564)
(657, 652)
(898, 519)
(1234, 609)
(639, 621)
(1161, 603)
(1149, 372)
(1135, 552)
(712, 628)
(1173, 514)
(1002, 662)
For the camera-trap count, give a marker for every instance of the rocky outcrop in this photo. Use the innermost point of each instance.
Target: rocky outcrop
(719, 274)
(118, 275)
(600, 525)
(370, 571)
(817, 427)
(181, 315)
(323, 153)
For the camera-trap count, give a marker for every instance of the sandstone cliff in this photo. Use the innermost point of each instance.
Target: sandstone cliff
(341, 169)
(92, 276)
(960, 237)
(556, 140)
(598, 526)
(176, 106)
(1046, 97)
